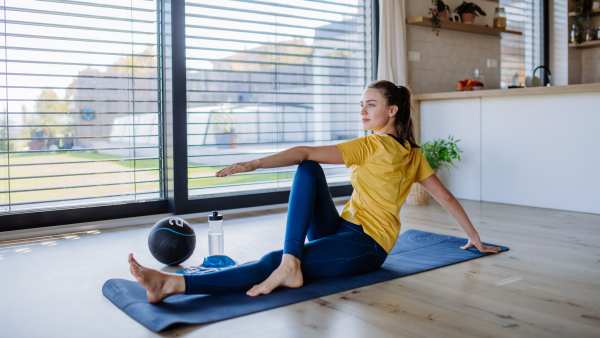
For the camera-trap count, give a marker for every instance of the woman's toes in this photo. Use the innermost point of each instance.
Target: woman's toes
(254, 291)
(258, 290)
(135, 272)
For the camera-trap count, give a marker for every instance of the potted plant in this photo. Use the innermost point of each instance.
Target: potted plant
(468, 11)
(439, 154)
(224, 128)
(582, 18)
(438, 12)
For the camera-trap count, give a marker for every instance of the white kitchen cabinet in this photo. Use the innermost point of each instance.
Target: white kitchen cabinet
(461, 118)
(540, 150)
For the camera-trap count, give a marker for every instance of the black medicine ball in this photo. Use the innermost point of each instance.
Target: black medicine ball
(172, 240)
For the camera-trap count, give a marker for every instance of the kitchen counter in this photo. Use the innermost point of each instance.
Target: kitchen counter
(525, 146)
(509, 92)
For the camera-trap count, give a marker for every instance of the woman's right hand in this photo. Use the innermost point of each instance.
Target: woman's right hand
(479, 246)
(235, 168)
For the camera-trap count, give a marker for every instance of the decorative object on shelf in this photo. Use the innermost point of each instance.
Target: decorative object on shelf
(438, 154)
(500, 18)
(536, 81)
(438, 11)
(468, 11)
(572, 35)
(591, 35)
(594, 12)
(455, 17)
(582, 19)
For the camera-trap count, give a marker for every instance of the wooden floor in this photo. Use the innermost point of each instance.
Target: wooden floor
(547, 285)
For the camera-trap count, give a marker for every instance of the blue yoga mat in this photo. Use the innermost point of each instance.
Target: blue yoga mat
(415, 251)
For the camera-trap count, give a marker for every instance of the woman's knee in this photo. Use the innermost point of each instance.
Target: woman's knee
(311, 167)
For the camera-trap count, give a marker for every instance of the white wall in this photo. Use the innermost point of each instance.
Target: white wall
(536, 150)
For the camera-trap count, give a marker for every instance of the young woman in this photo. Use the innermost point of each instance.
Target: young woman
(384, 167)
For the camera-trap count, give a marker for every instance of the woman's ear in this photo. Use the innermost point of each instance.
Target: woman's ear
(393, 111)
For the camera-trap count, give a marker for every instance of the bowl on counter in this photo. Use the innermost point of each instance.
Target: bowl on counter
(470, 88)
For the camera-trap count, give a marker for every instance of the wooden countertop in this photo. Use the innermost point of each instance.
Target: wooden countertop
(509, 92)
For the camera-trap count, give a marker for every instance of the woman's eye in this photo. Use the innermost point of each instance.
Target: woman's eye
(371, 105)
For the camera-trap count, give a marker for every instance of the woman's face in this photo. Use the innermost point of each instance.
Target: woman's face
(375, 112)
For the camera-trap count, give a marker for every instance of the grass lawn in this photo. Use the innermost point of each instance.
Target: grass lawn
(110, 171)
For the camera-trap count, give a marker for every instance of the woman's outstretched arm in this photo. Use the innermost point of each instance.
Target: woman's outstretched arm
(441, 194)
(323, 154)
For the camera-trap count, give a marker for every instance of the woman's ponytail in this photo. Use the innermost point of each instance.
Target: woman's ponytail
(401, 97)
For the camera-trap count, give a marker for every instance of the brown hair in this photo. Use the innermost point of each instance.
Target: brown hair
(401, 97)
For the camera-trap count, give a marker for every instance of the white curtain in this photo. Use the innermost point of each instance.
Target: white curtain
(391, 64)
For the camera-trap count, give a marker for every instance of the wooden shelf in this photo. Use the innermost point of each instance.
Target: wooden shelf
(586, 44)
(593, 12)
(424, 21)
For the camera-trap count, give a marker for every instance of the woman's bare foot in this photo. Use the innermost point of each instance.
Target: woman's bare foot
(287, 274)
(158, 285)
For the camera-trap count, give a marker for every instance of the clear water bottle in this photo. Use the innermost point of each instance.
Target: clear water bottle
(215, 234)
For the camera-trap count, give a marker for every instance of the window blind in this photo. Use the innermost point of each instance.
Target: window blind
(521, 54)
(80, 103)
(265, 76)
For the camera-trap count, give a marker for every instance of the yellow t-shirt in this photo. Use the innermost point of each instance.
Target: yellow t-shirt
(382, 173)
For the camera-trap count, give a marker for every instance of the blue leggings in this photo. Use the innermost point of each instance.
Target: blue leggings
(336, 247)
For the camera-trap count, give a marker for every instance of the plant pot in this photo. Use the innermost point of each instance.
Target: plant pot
(233, 141)
(418, 195)
(467, 18)
(223, 140)
(442, 15)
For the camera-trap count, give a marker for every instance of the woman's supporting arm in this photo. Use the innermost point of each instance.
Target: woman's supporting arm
(323, 154)
(441, 194)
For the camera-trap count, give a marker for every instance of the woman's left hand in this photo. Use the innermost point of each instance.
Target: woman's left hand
(237, 168)
(482, 248)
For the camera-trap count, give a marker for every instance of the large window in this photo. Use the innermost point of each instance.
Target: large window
(264, 76)
(80, 105)
(521, 54)
(95, 124)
